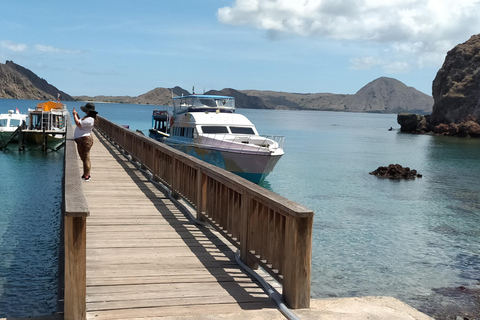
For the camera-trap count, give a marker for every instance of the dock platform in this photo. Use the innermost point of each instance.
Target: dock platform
(145, 259)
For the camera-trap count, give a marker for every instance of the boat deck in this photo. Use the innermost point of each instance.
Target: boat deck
(41, 131)
(145, 259)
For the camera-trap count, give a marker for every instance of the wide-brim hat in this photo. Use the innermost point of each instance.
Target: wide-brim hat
(89, 108)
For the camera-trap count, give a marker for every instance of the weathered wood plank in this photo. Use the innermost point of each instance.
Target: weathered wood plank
(176, 311)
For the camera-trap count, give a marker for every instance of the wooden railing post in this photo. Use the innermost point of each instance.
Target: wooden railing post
(298, 262)
(201, 194)
(75, 268)
(75, 210)
(245, 211)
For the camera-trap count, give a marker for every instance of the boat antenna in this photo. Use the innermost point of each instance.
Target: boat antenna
(193, 90)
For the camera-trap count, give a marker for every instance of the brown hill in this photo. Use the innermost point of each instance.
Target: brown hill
(157, 96)
(300, 101)
(243, 100)
(388, 95)
(17, 82)
(383, 95)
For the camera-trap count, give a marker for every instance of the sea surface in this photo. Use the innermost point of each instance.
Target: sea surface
(416, 240)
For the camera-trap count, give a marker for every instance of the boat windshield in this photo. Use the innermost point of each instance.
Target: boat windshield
(14, 122)
(202, 103)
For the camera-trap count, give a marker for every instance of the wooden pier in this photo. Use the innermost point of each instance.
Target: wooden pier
(130, 252)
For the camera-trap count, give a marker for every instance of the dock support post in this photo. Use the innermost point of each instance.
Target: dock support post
(75, 271)
(44, 140)
(298, 262)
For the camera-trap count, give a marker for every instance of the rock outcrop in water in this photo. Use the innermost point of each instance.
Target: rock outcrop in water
(456, 92)
(396, 171)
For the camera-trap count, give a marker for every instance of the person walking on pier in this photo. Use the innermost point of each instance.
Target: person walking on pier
(83, 136)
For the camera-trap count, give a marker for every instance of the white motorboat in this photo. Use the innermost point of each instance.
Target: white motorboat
(9, 123)
(207, 127)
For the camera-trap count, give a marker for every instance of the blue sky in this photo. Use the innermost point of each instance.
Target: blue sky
(131, 47)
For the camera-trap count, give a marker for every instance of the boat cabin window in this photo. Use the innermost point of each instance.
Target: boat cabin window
(242, 130)
(214, 129)
(3, 122)
(183, 132)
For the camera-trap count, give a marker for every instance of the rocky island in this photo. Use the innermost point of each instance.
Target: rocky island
(456, 94)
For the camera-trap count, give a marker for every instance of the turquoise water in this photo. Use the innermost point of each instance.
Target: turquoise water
(29, 232)
(416, 240)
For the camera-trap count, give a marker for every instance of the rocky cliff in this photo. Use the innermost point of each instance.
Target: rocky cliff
(456, 93)
(456, 88)
(17, 82)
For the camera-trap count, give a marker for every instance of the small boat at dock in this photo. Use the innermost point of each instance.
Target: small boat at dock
(207, 127)
(46, 125)
(9, 124)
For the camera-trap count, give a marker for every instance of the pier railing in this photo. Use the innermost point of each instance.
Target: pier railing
(75, 212)
(270, 231)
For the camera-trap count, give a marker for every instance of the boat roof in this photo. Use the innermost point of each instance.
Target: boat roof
(206, 96)
(13, 115)
(49, 106)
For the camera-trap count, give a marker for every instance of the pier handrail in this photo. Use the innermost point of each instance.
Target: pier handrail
(270, 230)
(75, 212)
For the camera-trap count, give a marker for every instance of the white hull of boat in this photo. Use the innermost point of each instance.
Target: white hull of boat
(251, 165)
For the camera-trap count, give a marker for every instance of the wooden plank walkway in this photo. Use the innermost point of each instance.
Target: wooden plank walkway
(146, 260)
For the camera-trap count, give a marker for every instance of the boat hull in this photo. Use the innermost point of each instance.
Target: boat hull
(6, 135)
(35, 140)
(253, 167)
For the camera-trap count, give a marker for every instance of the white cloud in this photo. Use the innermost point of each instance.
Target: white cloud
(12, 46)
(422, 30)
(44, 48)
(50, 49)
(396, 67)
(387, 66)
(364, 63)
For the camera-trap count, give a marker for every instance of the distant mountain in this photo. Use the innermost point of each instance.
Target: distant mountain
(299, 101)
(243, 100)
(157, 96)
(383, 95)
(388, 95)
(17, 82)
